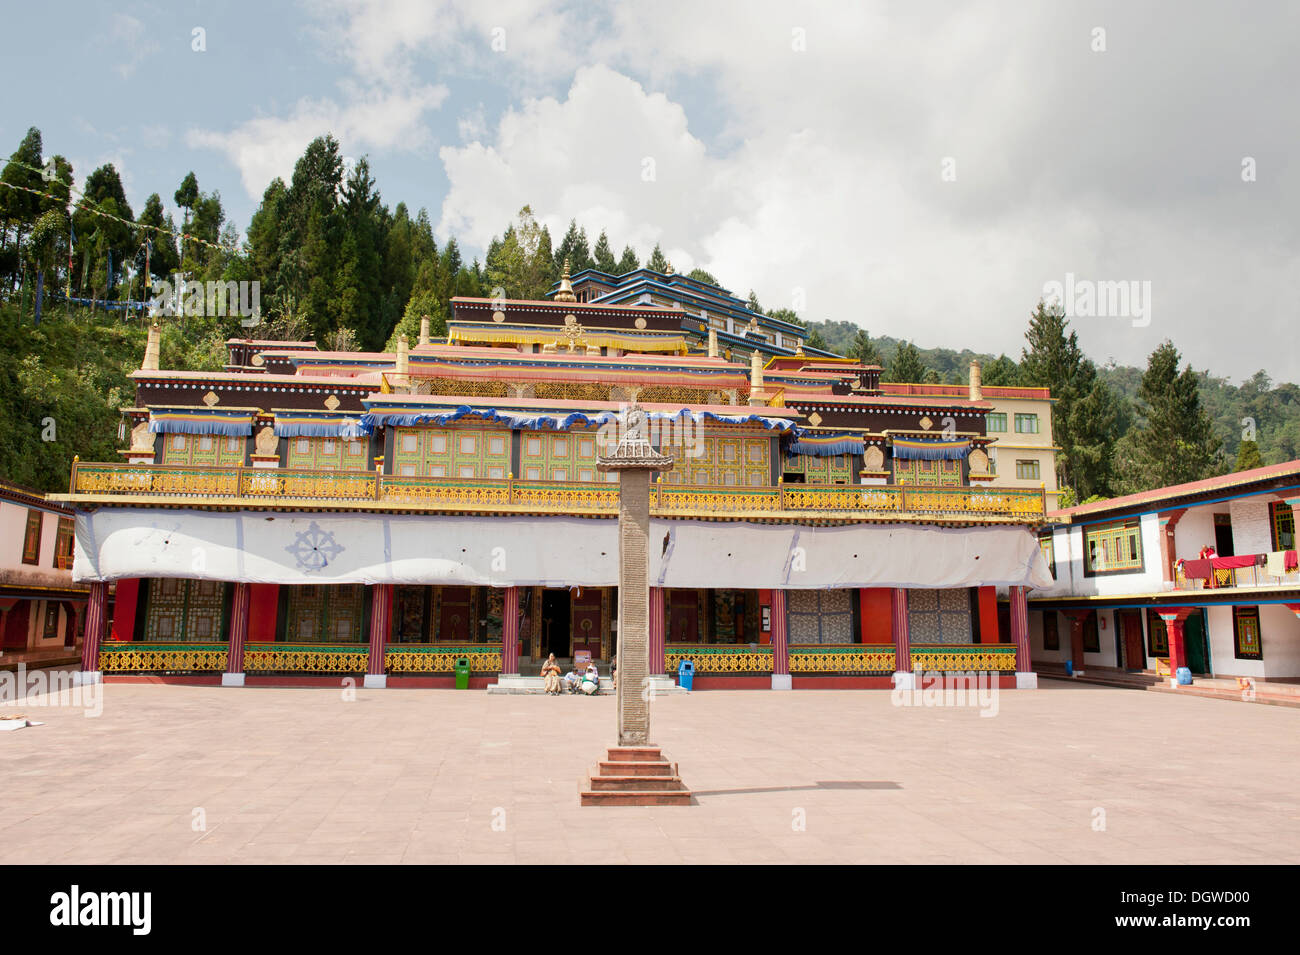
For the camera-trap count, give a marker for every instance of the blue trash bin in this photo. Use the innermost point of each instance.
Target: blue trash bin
(1069, 668)
(1184, 676)
(685, 674)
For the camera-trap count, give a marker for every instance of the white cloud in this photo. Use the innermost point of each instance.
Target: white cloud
(265, 147)
(131, 41)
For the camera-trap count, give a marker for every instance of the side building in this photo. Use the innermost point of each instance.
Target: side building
(41, 609)
(1201, 575)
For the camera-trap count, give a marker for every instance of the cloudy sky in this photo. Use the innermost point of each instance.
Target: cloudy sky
(924, 170)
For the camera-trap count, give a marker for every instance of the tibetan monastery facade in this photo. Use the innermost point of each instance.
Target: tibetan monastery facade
(305, 513)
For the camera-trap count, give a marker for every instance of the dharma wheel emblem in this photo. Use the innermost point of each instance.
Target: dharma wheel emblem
(314, 548)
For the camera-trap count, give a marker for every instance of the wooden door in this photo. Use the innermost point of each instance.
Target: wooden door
(1130, 623)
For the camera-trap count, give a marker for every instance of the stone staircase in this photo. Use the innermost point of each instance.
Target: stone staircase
(635, 776)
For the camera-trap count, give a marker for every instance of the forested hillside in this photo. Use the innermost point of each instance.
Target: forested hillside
(335, 263)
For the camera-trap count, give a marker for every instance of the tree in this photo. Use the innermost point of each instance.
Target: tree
(602, 256)
(658, 262)
(19, 209)
(863, 350)
(573, 247)
(1054, 360)
(788, 315)
(1001, 372)
(162, 255)
(816, 341)
(702, 276)
(185, 196)
(628, 262)
(752, 303)
(906, 365)
(1248, 456)
(1176, 444)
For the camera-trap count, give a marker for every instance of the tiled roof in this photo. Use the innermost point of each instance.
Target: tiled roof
(1224, 482)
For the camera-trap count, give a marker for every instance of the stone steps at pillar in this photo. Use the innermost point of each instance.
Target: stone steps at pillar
(635, 776)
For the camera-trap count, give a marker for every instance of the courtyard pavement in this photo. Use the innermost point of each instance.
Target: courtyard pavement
(1067, 773)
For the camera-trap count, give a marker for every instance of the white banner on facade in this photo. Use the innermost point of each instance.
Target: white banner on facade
(323, 548)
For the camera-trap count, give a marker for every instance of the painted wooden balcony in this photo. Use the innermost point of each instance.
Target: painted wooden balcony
(305, 489)
(1227, 578)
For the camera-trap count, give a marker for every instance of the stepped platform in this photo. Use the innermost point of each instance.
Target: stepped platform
(535, 685)
(635, 776)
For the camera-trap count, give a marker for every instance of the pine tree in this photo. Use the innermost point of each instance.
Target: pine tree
(1248, 456)
(906, 365)
(863, 350)
(1001, 372)
(628, 262)
(602, 256)
(658, 262)
(1177, 443)
(752, 303)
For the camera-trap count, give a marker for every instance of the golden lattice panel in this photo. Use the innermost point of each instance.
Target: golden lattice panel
(848, 661)
(156, 659)
(305, 659)
(411, 661)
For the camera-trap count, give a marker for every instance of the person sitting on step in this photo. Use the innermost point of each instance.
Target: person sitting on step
(591, 680)
(551, 674)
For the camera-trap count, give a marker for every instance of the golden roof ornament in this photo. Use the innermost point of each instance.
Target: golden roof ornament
(634, 450)
(565, 292)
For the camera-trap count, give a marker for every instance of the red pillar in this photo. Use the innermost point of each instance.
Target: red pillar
(780, 651)
(96, 619)
(656, 631)
(510, 632)
(901, 632)
(381, 609)
(1174, 618)
(1025, 678)
(239, 604)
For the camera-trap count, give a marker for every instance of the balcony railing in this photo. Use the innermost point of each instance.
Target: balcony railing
(1255, 576)
(236, 486)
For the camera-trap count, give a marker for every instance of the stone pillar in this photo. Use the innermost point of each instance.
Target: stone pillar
(381, 612)
(234, 675)
(96, 623)
(1026, 678)
(633, 606)
(658, 624)
(902, 633)
(510, 633)
(781, 679)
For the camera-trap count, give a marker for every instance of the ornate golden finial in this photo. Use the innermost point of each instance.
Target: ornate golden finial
(798, 349)
(565, 292)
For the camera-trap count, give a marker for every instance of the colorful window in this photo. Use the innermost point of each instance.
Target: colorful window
(810, 469)
(1026, 424)
(1028, 470)
(1113, 549)
(927, 473)
(321, 613)
(328, 454)
(1048, 546)
(1282, 518)
(183, 610)
(559, 457)
(51, 628)
(722, 461)
(1247, 639)
(204, 450)
(63, 543)
(443, 452)
(995, 421)
(32, 538)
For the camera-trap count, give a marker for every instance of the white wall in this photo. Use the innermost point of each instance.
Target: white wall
(1251, 533)
(1280, 630)
(1070, 579)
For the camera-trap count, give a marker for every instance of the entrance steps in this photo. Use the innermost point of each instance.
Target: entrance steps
(533, 685)
(635, 776)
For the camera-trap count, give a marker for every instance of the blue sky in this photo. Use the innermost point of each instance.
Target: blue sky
(922, 169)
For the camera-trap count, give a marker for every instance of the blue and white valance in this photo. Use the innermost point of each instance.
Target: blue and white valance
(554, 422)
(824, 444)
(226, 421)
(930, 450)
(313, 424)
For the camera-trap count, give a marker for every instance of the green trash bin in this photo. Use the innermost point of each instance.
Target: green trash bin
(462, 673)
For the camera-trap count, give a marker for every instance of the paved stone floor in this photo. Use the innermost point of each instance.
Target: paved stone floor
(1069, 773)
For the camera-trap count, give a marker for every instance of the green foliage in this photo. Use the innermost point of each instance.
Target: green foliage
(906, 365)
(862, 349)
(702, 276)
(658, 261)
(1248, 456)
(1175, 443)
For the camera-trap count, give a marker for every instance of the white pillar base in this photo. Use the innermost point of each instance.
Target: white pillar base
(782, 681)
(904, 680)
(1026, 681)
(232, 679)
(375, 681)
(83, 677)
